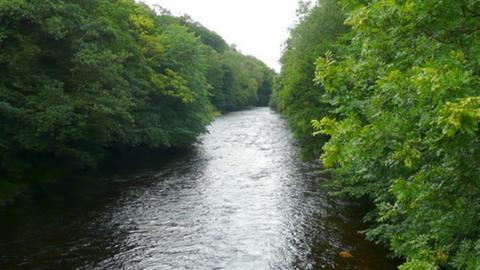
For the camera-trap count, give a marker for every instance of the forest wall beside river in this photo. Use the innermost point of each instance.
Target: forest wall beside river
(395, 89)
(82, 81)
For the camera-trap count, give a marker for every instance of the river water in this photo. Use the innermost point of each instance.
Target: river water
(242, 199)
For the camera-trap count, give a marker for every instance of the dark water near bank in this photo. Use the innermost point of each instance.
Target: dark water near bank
(241, 200)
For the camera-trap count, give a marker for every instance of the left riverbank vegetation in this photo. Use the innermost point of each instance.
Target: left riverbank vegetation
(395, 89)
(84, 80)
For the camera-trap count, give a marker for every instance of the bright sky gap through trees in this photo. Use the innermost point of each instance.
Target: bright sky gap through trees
(258, 28)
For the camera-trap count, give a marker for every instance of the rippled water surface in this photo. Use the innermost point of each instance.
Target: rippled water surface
(241, 200)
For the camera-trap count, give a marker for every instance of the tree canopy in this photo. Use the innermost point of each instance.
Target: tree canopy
(397, 96)
(297, 96)
(80, 79)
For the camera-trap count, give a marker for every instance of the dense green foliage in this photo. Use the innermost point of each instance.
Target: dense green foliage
(401, 108)
(80, 79)
(297, 97)
(236, 80)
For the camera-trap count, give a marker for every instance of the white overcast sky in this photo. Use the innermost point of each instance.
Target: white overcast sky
(257, 27)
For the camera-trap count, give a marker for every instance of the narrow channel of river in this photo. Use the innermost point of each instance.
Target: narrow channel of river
(241, 200)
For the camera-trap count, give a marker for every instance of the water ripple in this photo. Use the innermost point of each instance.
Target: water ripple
(241, 200)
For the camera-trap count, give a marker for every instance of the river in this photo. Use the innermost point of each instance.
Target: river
(242, 199)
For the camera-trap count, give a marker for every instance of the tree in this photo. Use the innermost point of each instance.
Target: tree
(83, 79)
(405, 128)
(299, 98)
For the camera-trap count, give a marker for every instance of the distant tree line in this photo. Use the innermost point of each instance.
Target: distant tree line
(396, 88)
(80, 79)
